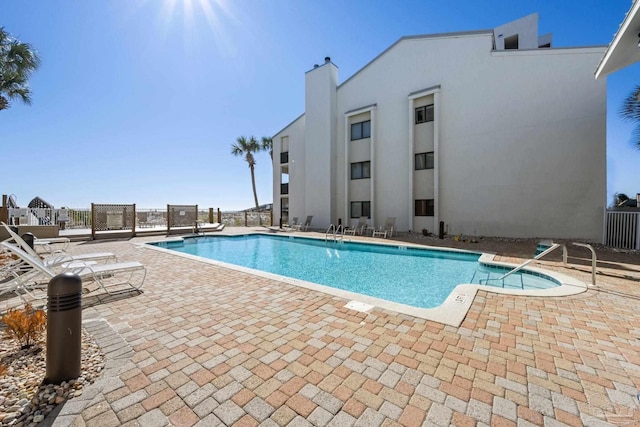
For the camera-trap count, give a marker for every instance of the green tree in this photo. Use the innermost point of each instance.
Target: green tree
(247, 148)
(630, 112)
(17, 63)
(267, 145)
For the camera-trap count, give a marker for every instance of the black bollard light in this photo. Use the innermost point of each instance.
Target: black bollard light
(441, 230)
(29, 239)
(64, 323)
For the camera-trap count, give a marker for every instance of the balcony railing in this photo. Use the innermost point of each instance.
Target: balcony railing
(284, 157)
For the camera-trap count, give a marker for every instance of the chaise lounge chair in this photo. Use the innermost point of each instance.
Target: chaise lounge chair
(295, 223)
(59, 257)
(100, 273)
(360, 228)
(307, 223)
(305, 226)
(387, 229)
(19, 280)
(46, 244)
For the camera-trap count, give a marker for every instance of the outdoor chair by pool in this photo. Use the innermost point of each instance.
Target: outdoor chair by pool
(360, 228)
(307, 223)
(295, 223)
(106, 275)
(59, 257)
(20, 281)
(20, 278)
(305, 226)
(47, 244)
(387, 229)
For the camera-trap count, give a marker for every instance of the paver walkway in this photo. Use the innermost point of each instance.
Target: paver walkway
(212, 346)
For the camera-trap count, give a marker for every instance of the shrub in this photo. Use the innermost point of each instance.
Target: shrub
(25, 325)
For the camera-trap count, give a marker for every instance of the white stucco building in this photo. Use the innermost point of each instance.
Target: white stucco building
(495, 133)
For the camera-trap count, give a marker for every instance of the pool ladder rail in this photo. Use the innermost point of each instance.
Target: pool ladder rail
(553, 247)
(334, 233)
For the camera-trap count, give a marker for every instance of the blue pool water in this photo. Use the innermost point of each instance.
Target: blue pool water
(417, 277)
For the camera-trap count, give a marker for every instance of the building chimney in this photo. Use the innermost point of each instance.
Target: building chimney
(327, 59)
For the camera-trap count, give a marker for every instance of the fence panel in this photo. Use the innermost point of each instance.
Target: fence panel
(151, 218)
(112, 217)
(181, 216)
(622, 229)
(245, 218)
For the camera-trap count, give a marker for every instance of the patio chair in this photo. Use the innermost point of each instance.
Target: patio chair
(21, 283)
(17, 276)
(360, 228)
(295, 223)
(46, 244)
(100, 273)
(307, 223)
(59, 257)
(387, 229)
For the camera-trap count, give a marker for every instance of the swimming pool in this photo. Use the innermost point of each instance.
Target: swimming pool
(418, 277)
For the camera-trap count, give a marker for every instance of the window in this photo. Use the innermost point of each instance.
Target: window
(360, 170)
(284, 157)
(284, 210)
(424, 207)
(511, 42)
(361, 130)
(424, 161)
(359, 209)
(424, 114)
(284, 183)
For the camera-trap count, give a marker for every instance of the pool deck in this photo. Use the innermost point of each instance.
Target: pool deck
(207, 345)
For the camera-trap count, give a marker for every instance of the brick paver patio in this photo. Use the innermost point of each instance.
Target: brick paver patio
(212, 346)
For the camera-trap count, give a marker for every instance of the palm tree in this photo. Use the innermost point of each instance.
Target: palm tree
(17, 62)
(267, 145)
(246, 148)
(630, 111)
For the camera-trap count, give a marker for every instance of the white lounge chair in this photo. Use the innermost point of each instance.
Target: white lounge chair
(46, 244)
(100, 273)
(307, 223)
(59, 257)
(387, 229)
(359, 228)
(295, 223)
(21, 282)
(17, 276)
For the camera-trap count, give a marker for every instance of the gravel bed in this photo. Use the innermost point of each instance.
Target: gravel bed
(24, 399)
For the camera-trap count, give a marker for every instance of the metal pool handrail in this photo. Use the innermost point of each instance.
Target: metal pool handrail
(537, 257)
(594, 260)
(337, 232)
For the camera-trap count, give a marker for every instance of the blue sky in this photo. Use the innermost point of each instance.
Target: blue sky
(139, 101)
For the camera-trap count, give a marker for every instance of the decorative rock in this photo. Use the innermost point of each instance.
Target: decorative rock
(24, 400)
(10, 417)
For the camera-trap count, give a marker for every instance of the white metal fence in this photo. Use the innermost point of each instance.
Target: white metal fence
(151, 218)
(67, 218)
(622, 229)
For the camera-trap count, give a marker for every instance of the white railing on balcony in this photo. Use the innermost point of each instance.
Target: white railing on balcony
(622, 229)
(72, 218)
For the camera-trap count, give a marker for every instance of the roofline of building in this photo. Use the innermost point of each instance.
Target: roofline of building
(622, 29)
(423, 36)
(290, 123)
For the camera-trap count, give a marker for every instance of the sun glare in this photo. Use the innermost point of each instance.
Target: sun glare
(217, 14)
